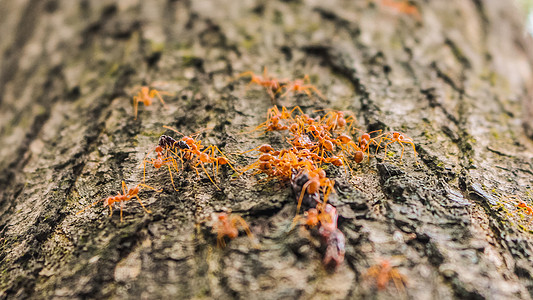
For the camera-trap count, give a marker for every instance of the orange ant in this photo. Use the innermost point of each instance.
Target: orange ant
(336, 119)
(274, 118)
(270, 83)
(191, 149)
(364, 142)
(122, 198)
(300, 85)
(398, 137)
(383, 273)
(145, 96)
(225, 224)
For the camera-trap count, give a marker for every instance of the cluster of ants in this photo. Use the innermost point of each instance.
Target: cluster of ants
(314, 142)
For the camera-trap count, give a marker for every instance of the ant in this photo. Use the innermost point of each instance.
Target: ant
(274, 116)
(383, 273)
(300, 85)
(122, 198)
(395, 136)
(271, 84)
(225, 224)
(364, 142)
(336, 119)
(191, 149)
(145, 96)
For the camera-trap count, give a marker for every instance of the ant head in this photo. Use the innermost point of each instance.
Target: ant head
(158, 149)
(222, 216)
(188, 140)
(365, 137)
(294, 128)
(321, 173)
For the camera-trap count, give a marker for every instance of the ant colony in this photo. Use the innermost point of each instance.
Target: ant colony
(315, 146)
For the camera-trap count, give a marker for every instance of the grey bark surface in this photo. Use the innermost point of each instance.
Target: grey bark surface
(456, 80)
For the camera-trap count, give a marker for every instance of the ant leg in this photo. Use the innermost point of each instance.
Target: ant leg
(346, 164)
(221, 153)
(156, 93)
(146, 210)
(246, 74)
(89, 206)
(247, 230)
(206, 173)
(147, 186)
(316, 91)
(144, 169)
(296, 108)
(135, 106)
(121, 203)
(175, 130)
(241, 153)
(397, 278)
(124, 187)
(412, 144)
(391, 142)
(171, 179)
(221, 243)
(302, 194)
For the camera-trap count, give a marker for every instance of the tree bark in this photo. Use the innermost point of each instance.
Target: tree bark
(455, 78)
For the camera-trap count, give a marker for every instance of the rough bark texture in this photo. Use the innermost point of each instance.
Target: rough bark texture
(454, 79)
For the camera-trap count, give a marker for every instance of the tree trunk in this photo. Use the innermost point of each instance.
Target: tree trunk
(454, 76)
